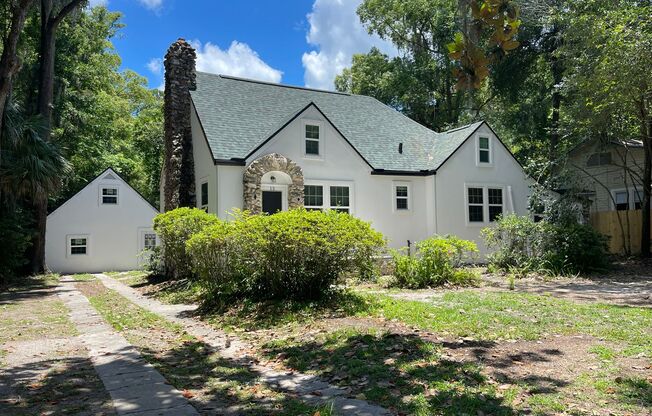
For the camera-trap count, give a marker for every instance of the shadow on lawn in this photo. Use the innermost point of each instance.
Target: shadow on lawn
(70, 387)
(388, 368)
(224, 386)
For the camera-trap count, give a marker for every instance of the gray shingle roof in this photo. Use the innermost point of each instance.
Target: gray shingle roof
(238, 115)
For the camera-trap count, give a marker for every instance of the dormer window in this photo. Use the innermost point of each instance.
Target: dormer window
(312, 134)
(109, 195)
(484, 150)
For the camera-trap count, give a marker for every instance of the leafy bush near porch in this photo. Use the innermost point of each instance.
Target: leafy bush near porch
(520, 243)
(295, 254)
(437, 261)
(174, 228)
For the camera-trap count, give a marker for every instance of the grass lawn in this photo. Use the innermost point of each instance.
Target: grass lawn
(45, 368)
(208, 380)
(468, 352)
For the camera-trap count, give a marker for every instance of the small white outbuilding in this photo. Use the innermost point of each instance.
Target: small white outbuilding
(107, 226)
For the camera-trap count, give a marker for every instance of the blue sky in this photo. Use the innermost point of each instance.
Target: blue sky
(298, 42)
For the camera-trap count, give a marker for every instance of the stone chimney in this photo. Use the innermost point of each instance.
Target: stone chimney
(179, 166)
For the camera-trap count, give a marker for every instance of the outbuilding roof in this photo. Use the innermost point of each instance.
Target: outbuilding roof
(238, 115)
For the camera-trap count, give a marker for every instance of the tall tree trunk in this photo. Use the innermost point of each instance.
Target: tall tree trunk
(646, 133)
(49, 23)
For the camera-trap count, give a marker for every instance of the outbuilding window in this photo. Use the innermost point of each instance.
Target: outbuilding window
(204, 196)
(78, 246)
(495, 203)
(401, 193)
(109, 195)
(476, 204)
(149, 241)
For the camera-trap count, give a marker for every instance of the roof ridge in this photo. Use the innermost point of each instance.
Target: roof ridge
(274, 84)
(462, 127)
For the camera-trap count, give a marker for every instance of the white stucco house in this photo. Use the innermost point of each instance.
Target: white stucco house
(107, 226)
(268, 147)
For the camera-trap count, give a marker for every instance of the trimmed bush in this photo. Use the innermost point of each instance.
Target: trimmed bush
(294, 254)
(437, 261)
(522, 244)
(174, 228)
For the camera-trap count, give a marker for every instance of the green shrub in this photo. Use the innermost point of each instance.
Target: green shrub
(436, 261)
(294, 254)
(519, 243)
(174, 228)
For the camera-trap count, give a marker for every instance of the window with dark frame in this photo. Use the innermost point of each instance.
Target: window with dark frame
(109, 196)
(150, 241)
(340, 198)
(402, 197)
(599, 159)
(313, 197)
(495, 199)
(312, 139)
(621, 202)
(483, 148)
(476, 204)
(204, 196)
(78, 246)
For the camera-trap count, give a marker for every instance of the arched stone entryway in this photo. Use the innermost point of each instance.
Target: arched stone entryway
(261, 174)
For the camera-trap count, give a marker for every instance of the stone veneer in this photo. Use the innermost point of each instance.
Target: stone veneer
(179, 167)
(253, 195)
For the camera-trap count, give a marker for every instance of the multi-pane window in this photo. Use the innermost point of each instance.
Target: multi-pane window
(313, 197)
(340, 198)
(620, 199)
(204, 196)
(401, 196)
(150, 241)
(110, 196)
(312, 139)
(476, 204)
(78, 245)
(599, 159)
(495, 196)
(484, 155)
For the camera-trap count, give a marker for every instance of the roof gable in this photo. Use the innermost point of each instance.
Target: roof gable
(239, 115)
(107, 174)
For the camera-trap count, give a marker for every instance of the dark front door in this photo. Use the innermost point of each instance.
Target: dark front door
(272, 201)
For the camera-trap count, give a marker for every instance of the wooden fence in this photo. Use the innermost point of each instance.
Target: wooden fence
(621, 226)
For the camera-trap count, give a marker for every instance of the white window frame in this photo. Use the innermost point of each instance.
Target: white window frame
(477, 150)
(631, 194)
(326, 193)
(201, 194)
(101, 195)
(337, 207)
(323, 198)
(485, 202)
(319, 124)
(396, 184)
(69, 246)
(503, 197)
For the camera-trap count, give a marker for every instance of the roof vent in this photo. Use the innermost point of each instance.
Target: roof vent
(109, 176)
(400, 148)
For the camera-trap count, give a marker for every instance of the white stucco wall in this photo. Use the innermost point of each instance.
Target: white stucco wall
(114, 232)
(437, 202)
(462, 170)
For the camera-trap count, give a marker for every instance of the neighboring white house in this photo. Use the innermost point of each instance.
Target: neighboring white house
(107, 226)
(265, 147)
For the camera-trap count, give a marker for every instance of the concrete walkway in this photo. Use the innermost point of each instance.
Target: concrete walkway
(135, 387)
(309, 388)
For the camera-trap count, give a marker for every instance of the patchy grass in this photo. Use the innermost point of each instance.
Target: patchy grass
(83, 277)
(189, 364)
(167, 291)
(29, 311)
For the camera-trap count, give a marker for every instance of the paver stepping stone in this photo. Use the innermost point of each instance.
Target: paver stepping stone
(135, 386)
(310, 388)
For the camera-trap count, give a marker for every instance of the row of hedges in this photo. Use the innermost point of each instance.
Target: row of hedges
(520, 243)
(293, 254)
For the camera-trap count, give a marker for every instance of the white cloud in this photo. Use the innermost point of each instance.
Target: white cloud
(151, 4)
(239, 60)
(337, 34)
(155, 66)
